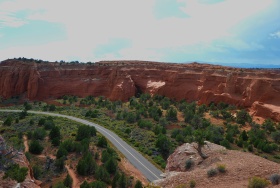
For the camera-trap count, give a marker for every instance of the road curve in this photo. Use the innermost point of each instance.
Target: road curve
(135, 158)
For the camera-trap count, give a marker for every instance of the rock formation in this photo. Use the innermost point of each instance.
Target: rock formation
(119, 80)
(239, 167)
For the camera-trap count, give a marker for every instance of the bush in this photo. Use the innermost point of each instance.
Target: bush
(189, 164)
(102, 142)
(36, 171)
(221, 168)
(192, 184)
(257, 182)
(275, 179)
(68, 181)
(212, 172)
(16, 173)
(35, 147)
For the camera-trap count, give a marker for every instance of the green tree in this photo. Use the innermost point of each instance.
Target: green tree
(68, 181)
(102, 174)
(111, 165)
(36, 171)
(86, 165)
(16, 173)
(138, 184)
(35, 147)
(85, 131)
(8, 121)
(199, 138)
(122, 181)
(171, 114)
(55, 133)
(276, 136)
(39, 134)
(102, 142)
(164, 145)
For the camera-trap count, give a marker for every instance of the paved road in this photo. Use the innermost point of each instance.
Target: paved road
(141, 163)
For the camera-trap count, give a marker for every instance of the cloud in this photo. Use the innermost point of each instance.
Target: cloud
(8, 19)
(275, 35)
(91, 24)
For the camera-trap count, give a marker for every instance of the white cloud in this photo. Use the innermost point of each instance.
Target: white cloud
(275, 35)
(89, 23)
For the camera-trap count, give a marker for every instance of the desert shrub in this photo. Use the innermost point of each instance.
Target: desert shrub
(189, 164)
(28, 156)
(16, 172)
(275, 179)
(138, 184)
(68, 181)
(102, 142)
(257, 182)
(36, 171)
(192, 184)
(221, 168)
(35, 147)
(212, 172)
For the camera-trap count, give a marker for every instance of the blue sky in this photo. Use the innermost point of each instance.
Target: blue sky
(213, 31)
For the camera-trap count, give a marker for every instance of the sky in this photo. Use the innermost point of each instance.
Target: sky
(233, 32)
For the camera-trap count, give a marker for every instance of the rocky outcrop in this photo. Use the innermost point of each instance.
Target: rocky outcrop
(177, 160)
(239, 168)
(119, 80)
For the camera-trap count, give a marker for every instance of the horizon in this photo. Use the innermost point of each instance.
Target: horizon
(222, 32)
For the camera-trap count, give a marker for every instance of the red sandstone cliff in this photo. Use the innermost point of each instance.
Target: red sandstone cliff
(123, 79)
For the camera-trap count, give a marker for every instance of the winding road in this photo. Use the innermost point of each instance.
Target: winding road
(135, 158)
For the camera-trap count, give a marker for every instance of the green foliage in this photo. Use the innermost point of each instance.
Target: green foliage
(257, 182)
(164, 145)
(225, 143)
(85, 131)
(276, 136)
(192, 183)
(60, 185)
(52, 107)
(16, 173)
(36, 171)
(86, 165)
(68, 181)
(275, 179)
(269, 125)
(23, 114)
(59, 164)
(55, 133)
(61, 152)
(171, 114)
(49, 124)
(102, 142)
(35, 147)
(212, 172)
(92, 114)
(130, 117)
(42, 121)
(122, 181)
(102, 174)
(138, 184)
(242, 117)
(189, 164)
(39, 134)
(142, 123)
(111, 165)
(221, 168)
(8, 121)
(27, 106)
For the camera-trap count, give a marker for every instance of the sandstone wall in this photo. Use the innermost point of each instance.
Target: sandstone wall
(119, 80)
